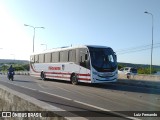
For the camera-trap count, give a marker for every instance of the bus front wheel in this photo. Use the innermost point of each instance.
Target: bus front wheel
(74, 79)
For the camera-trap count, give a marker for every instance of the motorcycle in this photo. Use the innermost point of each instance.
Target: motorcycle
(11, 75)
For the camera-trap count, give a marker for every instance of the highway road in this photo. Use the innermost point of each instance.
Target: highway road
(118, 99)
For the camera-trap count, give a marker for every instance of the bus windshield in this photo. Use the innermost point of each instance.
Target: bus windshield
(103, 59)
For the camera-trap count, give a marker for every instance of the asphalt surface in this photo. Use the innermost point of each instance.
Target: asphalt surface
(120, 100)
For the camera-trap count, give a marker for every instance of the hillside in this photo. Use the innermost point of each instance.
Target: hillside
(138, 65)
(7, 61)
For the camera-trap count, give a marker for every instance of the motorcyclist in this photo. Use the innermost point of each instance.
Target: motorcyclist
(10, 70)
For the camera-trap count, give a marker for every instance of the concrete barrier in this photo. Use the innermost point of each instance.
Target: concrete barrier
(152, 81)
(140, 77)
(18, 73)
(15, 101)
(21, 72)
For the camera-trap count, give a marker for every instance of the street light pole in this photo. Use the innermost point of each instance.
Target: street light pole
(33, 37)
(152, 41)
(33, 33)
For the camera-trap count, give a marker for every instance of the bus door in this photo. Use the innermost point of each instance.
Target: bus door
(84, 64)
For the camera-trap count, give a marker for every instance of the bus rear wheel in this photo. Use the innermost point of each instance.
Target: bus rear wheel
(74, 79)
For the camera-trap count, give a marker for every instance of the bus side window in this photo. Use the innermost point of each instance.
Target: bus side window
(36, 59)
(41, 58)
(87, 61)
(83, 59)
(72, 55)
(32, 60)
(55, 57)
(47, 57)
(64, 56)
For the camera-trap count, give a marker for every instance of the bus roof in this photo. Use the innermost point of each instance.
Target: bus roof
(97, 46)
(68, 48)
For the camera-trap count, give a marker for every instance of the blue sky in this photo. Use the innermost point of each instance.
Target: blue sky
(120, 24)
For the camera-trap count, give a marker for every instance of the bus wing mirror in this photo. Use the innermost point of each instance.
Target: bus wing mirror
(115, 55)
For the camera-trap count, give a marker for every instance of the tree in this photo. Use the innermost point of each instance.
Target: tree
(120, 66)
(26, 67)
(4, 67)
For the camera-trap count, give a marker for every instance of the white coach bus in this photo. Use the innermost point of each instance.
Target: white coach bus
(88, 63)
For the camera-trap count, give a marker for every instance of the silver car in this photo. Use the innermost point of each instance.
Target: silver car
(128, 71)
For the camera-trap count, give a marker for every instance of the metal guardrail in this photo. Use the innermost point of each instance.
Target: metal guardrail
(17, 73)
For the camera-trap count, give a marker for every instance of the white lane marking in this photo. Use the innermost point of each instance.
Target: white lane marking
(63, 89)
(103, 109)
(42, 86)
(54, 87)
(83, 103)
(41, 91)
(55, 95)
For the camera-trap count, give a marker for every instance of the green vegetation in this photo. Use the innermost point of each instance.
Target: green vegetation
(120, 66)
(17, 67)
(146, 70)
(142, 69)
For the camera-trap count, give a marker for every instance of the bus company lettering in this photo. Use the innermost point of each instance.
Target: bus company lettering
(54, 68)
